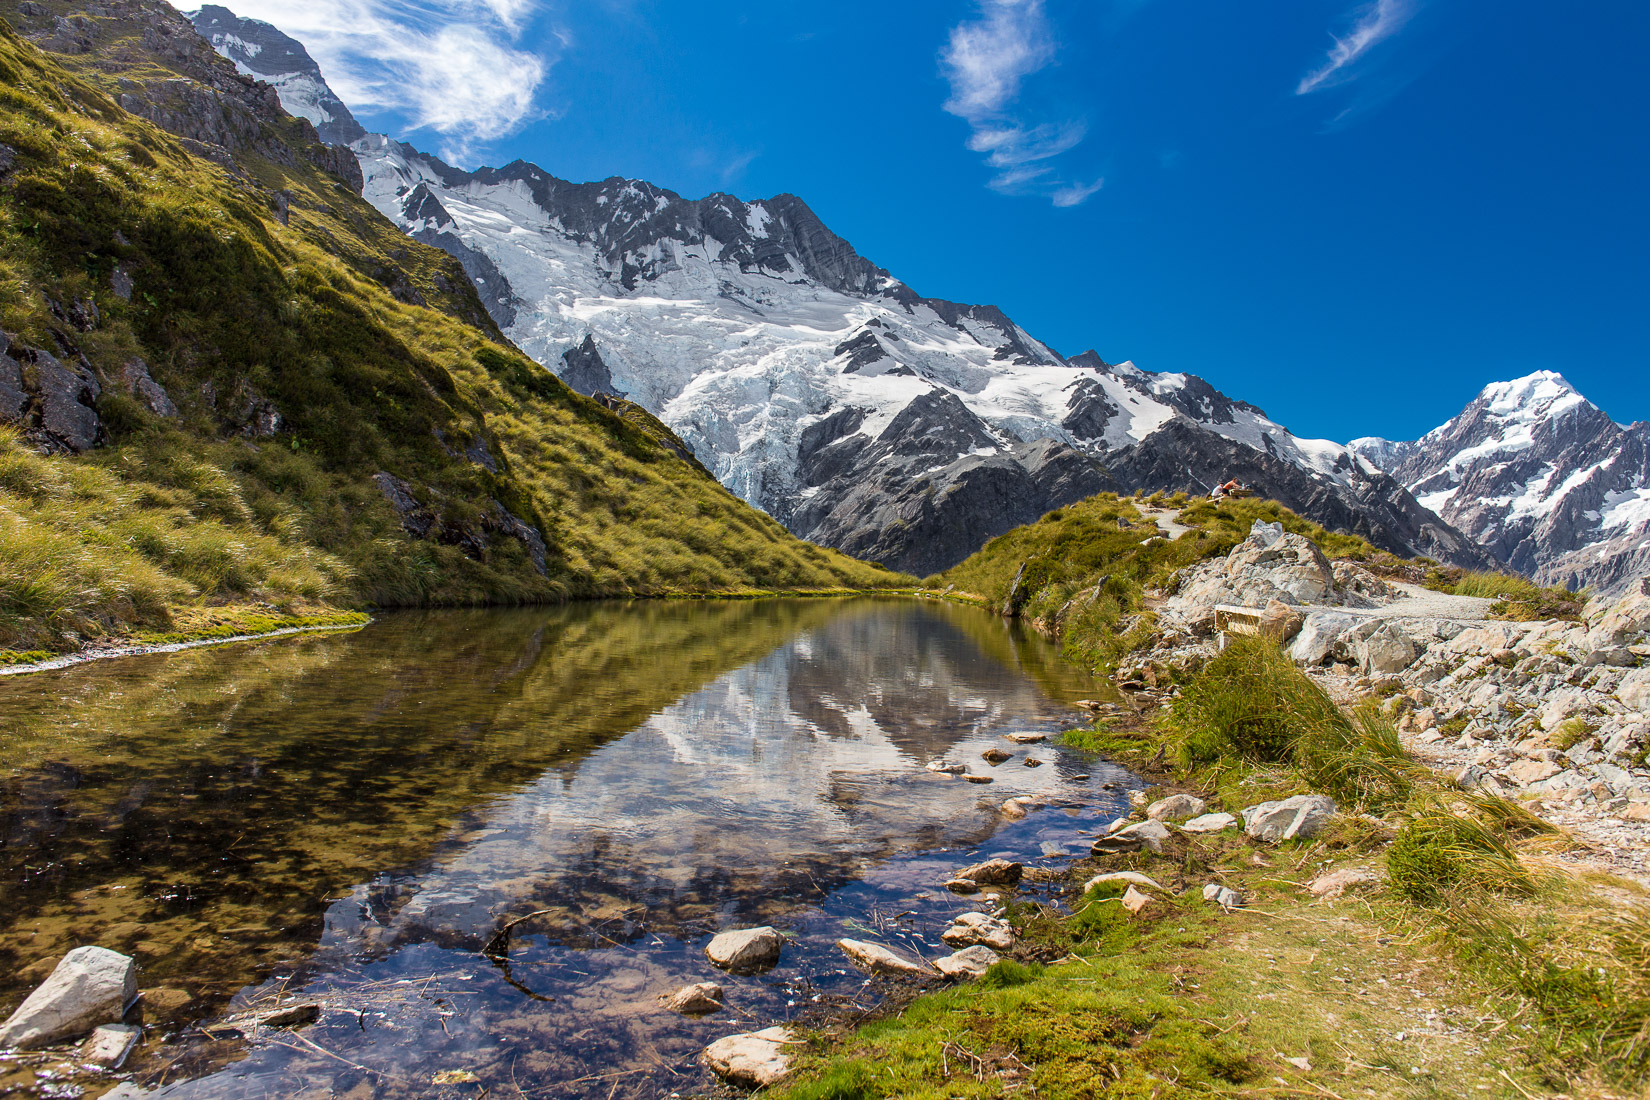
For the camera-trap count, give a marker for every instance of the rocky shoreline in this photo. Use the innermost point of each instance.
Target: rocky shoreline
(1554, 714)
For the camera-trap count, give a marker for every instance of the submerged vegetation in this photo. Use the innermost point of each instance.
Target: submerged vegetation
(310, 361)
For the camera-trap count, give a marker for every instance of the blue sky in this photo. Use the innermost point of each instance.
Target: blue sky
(1352, 215)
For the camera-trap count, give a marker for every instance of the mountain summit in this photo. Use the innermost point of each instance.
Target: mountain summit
(259, 50)
(1539, 476)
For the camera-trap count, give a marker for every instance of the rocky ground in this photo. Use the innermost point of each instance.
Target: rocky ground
(1552, 713)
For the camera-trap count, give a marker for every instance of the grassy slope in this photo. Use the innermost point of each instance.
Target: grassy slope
(1088, 565)
(229, 308)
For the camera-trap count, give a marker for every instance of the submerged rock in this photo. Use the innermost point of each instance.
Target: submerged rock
(110, 1045)
(746, 948)
(698, 999)
(90, 986)
(756, 1059)
(993, 872)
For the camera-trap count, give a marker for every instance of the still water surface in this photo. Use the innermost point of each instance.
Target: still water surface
(351, 818)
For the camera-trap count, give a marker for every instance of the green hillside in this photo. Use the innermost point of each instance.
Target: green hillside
(292, 407)
(1081, 572)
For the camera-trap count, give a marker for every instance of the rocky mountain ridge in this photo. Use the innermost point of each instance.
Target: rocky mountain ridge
(815, 384)
(1539, 476)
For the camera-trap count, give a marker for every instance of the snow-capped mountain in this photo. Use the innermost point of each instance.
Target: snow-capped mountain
(813, 383)
(259, 50)
(1540, 477)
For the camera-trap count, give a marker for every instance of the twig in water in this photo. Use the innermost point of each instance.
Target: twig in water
(504, 933)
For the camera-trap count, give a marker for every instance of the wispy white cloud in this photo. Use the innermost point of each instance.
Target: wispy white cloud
(986, 61)
(456, 67)
(1375, 23)
(1076, 193)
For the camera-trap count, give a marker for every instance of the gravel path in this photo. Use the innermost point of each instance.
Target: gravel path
(1165, 520)
(1419, 603)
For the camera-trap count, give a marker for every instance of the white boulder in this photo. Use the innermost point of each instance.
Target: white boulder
(881, 961)
(968, 929)
(970, 962)
(1132, 838)
(1209, 823)
(1176, 807)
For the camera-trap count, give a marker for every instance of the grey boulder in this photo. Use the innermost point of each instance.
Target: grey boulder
(90, 986)
(1304, 815)
(970, 962)
(746, 948)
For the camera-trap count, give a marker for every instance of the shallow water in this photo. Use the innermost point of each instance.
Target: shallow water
(351, 818)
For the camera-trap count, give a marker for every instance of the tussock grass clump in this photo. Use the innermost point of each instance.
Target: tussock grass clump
(1438, 852)
(1517, 598)
(1252, 705)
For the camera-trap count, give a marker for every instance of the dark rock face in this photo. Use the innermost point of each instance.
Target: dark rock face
(53, 403)
(1540, 477)
(135, 379)
(494, 289)
(908, 500)
(217, 111)
(420, 521)
(584, 370)
(268, 53)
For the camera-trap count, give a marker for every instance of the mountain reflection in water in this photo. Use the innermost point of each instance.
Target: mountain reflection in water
(354, 817)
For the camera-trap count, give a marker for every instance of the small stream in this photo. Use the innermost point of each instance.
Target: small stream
(350, 818)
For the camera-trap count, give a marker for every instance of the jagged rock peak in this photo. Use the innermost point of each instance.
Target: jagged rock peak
(1540, 476)
(261, 50)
